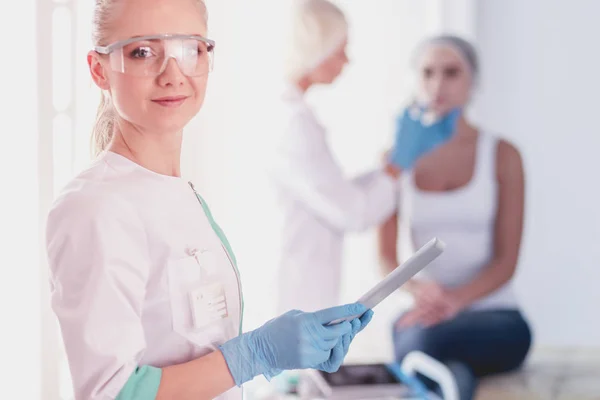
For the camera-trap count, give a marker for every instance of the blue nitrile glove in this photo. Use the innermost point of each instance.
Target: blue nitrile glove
(414, 139)
(339, 352)
(295, 340)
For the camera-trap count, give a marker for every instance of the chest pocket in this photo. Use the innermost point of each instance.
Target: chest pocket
(191, 318)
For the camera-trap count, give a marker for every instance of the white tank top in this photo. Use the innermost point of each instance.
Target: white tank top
(464, 218)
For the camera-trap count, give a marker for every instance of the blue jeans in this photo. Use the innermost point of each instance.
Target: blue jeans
(472, 345)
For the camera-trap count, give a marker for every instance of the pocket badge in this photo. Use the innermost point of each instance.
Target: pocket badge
(208, 304)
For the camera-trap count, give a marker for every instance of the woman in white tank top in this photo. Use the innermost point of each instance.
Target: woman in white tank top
(469, 191)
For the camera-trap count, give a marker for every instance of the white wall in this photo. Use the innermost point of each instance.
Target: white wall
(20, 298)
(540, 89)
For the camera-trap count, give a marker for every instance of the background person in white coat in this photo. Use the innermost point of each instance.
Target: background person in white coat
(318, 203)
(144, 283)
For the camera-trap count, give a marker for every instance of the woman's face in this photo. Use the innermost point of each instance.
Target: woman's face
(332, 66)
(445, 79)
(158, 104)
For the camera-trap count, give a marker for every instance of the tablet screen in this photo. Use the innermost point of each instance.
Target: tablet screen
(352, 375)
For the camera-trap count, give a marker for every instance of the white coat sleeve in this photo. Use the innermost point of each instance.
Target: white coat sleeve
(99, 263)
(304, 167)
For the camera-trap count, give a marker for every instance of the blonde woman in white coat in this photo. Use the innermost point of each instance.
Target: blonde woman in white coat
(317, 203)
(145, 285)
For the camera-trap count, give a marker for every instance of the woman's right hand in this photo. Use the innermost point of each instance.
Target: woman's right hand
(295, 340)
(431, 304)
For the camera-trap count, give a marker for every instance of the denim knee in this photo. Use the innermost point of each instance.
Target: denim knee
(413, 339)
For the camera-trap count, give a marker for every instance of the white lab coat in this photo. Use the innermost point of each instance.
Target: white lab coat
(318, 205)
(125, 247)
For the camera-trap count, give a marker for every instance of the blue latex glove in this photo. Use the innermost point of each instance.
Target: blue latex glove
(415, 139)
(295, 340)
(338, 353)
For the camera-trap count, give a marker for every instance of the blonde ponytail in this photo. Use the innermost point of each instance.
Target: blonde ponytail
(103, 127)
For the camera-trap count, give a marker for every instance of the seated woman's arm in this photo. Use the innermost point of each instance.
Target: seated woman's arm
(508, 229)
(430, 302)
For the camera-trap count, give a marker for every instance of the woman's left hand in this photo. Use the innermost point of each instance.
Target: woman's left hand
(429, 314)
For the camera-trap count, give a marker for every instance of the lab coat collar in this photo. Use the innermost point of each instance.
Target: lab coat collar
(119, 162)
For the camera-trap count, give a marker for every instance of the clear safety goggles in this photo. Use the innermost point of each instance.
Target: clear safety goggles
(148, 56)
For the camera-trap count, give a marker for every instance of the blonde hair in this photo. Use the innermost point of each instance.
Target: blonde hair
(104, 126)
(318, 28)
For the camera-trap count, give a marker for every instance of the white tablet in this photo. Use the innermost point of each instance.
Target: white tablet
(402, 274)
